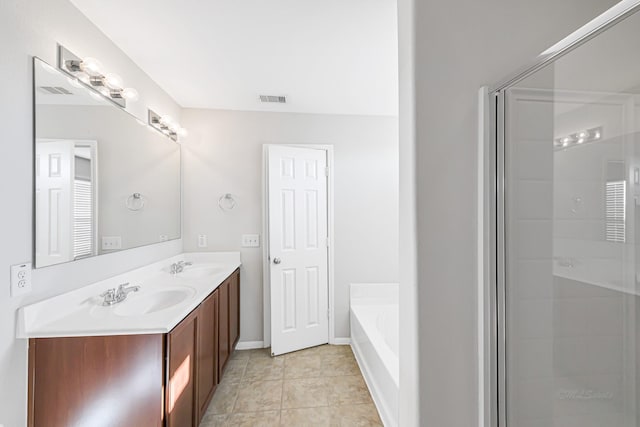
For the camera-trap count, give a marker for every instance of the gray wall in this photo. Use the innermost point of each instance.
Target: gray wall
(30, 28)
(457, 48)
(224, 155)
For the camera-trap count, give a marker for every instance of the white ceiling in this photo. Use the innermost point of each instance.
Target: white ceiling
(326, 56)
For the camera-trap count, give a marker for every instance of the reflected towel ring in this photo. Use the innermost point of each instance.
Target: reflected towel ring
(226, 202)
(135, 202)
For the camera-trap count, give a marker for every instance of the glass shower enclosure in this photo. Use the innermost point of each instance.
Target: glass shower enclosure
(568, 199)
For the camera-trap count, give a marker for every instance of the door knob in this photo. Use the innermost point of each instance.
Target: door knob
(277, 260)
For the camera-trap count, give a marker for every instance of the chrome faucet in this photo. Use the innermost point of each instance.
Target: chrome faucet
(178, 267)
(113, 296)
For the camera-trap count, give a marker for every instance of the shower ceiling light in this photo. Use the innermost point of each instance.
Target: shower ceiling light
(89, 71)
(578, 138)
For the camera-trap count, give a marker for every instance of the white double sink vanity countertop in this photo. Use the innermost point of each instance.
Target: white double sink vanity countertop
(164, 299)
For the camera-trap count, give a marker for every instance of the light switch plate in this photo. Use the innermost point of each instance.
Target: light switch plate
(250, 240)
(202, 241)
(111, 243)
(20, 279)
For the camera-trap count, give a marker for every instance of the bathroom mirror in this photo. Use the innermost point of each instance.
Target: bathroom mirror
(104, 181)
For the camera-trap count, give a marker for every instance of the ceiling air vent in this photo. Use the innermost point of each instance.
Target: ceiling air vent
(55, 90)
(273, 98)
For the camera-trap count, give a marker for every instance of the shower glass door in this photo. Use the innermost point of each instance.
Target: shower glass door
(571, 150)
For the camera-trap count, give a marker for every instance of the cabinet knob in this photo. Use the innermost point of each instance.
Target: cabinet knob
(277, 260)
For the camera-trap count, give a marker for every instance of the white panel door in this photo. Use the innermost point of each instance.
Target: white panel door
(54, 170)
(297, 200)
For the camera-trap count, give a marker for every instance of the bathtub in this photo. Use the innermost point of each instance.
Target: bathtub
(375, 341)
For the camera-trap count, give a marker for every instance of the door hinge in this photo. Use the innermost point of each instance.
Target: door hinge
(328, 313)
(327, 242)
(326, 171)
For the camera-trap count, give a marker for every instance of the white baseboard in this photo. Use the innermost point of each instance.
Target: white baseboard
(341, 341)
(249, 345)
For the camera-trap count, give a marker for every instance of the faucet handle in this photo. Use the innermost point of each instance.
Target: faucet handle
(109, 296)
(122, 286)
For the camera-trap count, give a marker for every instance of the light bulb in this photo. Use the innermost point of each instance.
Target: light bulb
(91, 66)
(182, 132)
(167, 120)
(566, 140)
(597, 135)
(130, 94)
(582, 134)
(113, 81)
(580, 141)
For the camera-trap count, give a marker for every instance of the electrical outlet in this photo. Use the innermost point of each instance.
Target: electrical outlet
(250, 240)
(164, 237)
(111, 243)
(20, 279)
(202, 241)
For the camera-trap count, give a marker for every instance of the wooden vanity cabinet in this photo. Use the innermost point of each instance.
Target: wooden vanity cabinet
(217, 327)
(136, 380)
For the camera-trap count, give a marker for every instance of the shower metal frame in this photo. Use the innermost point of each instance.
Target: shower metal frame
(495, 263)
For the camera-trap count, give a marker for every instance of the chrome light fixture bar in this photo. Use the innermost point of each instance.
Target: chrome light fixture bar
(90, 72)
(578, 138)
(167, 126)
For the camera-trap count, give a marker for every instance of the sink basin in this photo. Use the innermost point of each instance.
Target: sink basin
(200, 271)
(153, 302)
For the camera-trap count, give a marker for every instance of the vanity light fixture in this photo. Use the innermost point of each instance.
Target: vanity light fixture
(578, 138)
(167, 125)
(90, 72)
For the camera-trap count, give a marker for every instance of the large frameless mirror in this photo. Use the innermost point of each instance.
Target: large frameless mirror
(104, 181)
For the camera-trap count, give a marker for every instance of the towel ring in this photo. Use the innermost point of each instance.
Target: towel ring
(135, 202)
(226, 202)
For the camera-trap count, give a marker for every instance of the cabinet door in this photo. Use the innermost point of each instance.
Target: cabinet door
(234, 309)
(207, 352)
(181, 359)
(90, 381)
(223, 326)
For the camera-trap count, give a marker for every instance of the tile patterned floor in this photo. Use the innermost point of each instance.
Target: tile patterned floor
(320, 386)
